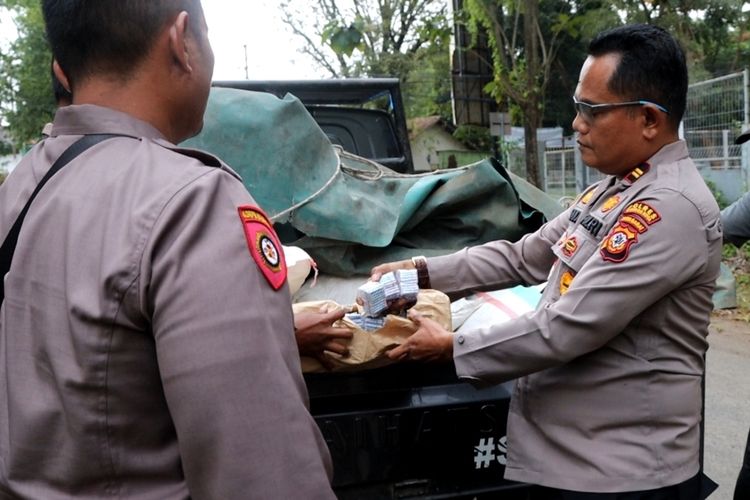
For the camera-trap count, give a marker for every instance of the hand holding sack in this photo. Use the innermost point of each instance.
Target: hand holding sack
(367, 348)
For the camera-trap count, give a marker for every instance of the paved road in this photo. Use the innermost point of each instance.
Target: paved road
(727, 402)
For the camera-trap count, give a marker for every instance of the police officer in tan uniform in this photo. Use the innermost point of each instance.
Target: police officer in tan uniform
(735, 220)
(146, 334)
(608, 403)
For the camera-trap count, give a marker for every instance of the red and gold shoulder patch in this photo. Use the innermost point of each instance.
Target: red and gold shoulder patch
(616, 246)
(634, 220)
(644, 211)
(264, 245)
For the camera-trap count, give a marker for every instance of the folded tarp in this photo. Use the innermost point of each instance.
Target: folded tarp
(350, 213)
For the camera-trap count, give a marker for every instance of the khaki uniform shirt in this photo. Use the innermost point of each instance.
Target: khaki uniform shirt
(611, 360)
(143, 354)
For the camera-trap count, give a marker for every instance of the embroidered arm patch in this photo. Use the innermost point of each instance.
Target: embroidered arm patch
(634, 220)
(264, 245)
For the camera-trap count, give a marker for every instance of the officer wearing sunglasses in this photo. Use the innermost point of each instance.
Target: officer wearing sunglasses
(607, 401)
(589, 111)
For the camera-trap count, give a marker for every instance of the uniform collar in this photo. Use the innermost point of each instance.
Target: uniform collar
(81, 119)
(670, 153)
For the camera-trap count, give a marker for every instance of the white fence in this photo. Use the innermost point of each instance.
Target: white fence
(717, 111)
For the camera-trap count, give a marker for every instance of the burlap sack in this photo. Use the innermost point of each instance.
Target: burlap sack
(367, 349)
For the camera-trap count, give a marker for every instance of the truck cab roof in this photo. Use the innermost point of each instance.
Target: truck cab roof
(363, 116)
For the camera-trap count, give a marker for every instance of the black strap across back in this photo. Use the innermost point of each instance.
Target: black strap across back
(9, 245)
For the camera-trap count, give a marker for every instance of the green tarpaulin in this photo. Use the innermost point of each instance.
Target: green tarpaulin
(350, 213)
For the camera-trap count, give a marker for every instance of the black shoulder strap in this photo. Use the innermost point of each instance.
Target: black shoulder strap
(9, 245)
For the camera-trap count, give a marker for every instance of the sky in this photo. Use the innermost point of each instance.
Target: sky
(272, 51)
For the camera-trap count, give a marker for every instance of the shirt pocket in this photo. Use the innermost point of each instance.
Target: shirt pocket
(574, 250)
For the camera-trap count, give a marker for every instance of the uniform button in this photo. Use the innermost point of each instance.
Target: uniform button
(461, 339)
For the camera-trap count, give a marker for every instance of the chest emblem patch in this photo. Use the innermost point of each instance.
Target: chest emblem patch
(565, 281)
(611, 203)
(570, 246)
(264, 245)
(586, 198)
(616, 246)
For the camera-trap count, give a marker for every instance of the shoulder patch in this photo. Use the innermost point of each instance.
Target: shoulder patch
(264, 245)
(644, 211)
(616, 246)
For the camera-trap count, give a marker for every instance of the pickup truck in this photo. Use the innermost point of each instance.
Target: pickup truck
(406, 430)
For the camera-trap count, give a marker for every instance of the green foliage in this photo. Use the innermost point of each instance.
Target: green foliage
(724, 45)
(477, 136)
(524, 40)
(721, 200)
(426, 84)
(738, 260)
(343, 39)
(713, 32)
(26, 99)
(6, 148)
(407, 39)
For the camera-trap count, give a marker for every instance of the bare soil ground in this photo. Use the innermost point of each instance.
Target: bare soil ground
(728, 384)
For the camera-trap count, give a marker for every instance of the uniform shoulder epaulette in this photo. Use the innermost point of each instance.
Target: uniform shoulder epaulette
(205, 158)
(637, 173)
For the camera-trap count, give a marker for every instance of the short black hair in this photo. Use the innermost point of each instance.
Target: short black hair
(111, 36)
(652, 66)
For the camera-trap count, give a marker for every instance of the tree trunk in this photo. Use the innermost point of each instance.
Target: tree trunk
(532, 121)
(533, 107)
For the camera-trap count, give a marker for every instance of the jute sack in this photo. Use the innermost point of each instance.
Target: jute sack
(367, 349)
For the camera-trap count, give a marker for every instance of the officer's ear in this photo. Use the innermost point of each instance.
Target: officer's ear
(178, 42)
(654, 120)
(60, 75)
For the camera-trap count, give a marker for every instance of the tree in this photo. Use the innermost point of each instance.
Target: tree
(26, 99)
(713, 32)
(408, 39)
(588, 17)
(525, 39)
(724, 36)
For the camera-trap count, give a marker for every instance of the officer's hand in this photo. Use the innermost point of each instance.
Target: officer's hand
(315, 334)
(431, 342)
(378, 271)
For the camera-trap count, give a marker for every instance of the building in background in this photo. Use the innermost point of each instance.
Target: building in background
(471, 68)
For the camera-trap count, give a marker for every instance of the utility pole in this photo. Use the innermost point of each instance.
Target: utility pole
(247, 76)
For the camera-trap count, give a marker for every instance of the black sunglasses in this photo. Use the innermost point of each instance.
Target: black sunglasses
(589, 111)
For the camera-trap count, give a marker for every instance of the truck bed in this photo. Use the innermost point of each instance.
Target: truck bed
(413, 430)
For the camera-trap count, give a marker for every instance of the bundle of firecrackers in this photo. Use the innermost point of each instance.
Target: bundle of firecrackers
(395, 293)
